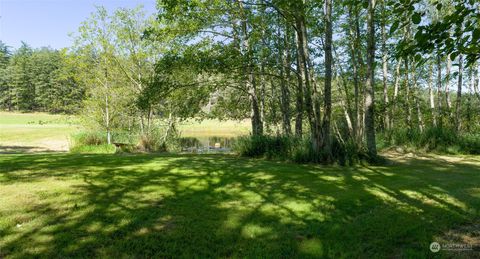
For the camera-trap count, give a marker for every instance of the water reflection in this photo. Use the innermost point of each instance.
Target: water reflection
(206, 144)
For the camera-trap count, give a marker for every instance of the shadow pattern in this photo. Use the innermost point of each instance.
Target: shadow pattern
(64, 205)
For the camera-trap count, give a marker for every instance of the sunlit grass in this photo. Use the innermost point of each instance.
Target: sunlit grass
(73, 205)
(36, 130)
(214, 128)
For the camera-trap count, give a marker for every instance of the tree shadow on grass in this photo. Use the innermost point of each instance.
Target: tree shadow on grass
(223, 206)
(11, 149)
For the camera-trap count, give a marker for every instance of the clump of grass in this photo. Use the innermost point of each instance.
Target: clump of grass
(151, 143)
(438, 139)
(96, 142)
(89, 138)
(265, 146)
(299, 150)
(90, 142)
(95, 149)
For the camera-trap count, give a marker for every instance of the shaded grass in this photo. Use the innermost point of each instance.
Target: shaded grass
(74, 205)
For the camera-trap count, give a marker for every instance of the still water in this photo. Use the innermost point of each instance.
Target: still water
(206, 144)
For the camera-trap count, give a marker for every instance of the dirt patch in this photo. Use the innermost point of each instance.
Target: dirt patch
(55, 145)
(40, 146)
(394, 155)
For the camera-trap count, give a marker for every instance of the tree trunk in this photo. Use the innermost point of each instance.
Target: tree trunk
(328, 80)
(447, 85)
(303, 68)
(257, 125)
(284, 77)
(250, 84)
(354, 32)
(421, 124)
(346, 105)
(299, 101)
(408, 107)
(431, 95)
(395, 92)
(302, 50)
(439, 91)
(107, 120)
(386, 118)
(458, 103)
(469, 99)
(476, 83)
(370, 89)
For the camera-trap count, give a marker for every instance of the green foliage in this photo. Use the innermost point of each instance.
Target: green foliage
(39, 80)
(450, 29)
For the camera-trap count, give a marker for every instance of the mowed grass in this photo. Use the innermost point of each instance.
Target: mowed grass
(122, 206)
(33, 131)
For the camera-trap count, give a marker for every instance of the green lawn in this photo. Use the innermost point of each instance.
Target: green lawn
(120, 206)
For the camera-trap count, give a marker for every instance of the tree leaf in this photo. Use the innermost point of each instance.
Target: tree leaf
(416, 18)
(394, 27)
(453, 55)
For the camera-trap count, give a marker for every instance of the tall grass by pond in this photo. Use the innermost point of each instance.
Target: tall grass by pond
(296, 149)
(436, 139)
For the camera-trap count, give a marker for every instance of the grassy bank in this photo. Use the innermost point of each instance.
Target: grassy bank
(66, 205)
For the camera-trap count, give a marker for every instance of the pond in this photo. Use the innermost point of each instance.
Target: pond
(206, 144)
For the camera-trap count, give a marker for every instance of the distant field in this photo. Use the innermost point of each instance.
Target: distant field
(214, 128)
(31, 132)
(35, 131)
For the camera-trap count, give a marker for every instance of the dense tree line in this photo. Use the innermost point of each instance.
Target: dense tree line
(337, 73)
(345, 69)
(39, 80)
